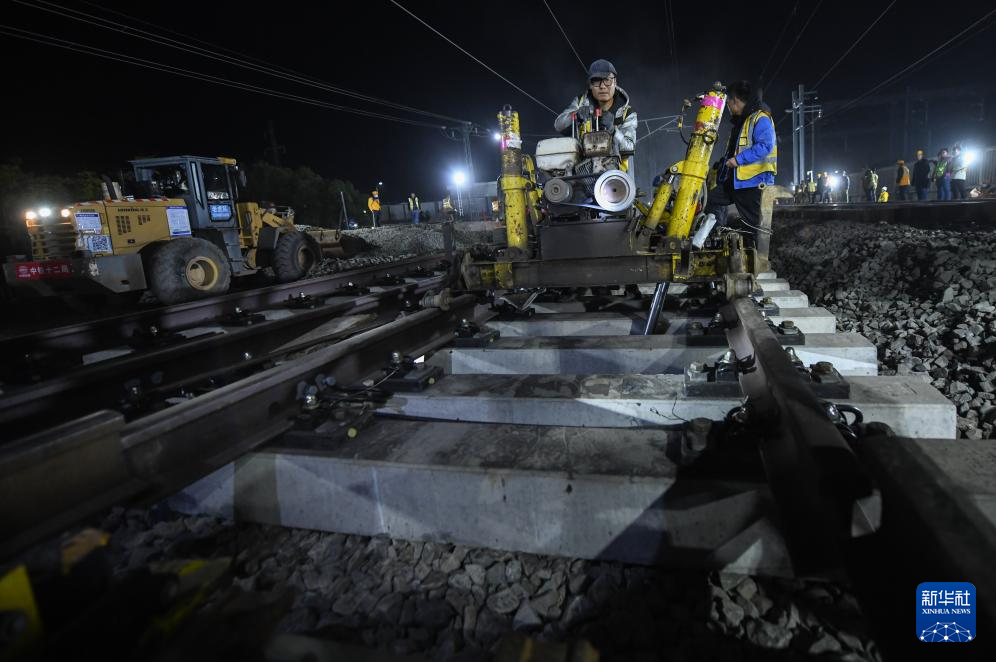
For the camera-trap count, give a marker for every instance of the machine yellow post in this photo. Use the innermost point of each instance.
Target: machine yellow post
(513, 184)
(695, 167)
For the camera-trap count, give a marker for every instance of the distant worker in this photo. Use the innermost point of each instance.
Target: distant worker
(616, 115)
(750, 161)
(959, 173)
(942, 175)
(921, 176)
(870, 183)
(811, 189)
(884, 195)
(845, 187)
(827, 189)
(414, 207)
(373, 204)
(903, 180)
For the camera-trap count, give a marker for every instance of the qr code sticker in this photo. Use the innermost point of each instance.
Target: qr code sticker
(99, 243)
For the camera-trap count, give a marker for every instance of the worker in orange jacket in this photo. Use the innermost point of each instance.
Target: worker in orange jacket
(903, 180)
(373, 204)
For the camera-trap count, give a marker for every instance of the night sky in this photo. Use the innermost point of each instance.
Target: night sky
(70, 111)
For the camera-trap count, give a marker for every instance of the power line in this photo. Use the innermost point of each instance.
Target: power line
(266, 68)
(796, 40)
(673, 34)
(55, 42)
(465, 52)
(774, 48)
(911, 67)
(568, 39)
(841, 58)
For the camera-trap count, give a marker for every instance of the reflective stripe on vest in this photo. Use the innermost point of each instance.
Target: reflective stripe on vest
(769, 163)
(413, 203)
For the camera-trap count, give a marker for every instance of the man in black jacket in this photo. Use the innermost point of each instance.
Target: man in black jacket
(921, 176)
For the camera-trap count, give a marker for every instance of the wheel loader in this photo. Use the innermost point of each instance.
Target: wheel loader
(183, 232)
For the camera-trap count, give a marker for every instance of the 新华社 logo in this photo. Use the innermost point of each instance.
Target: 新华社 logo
(945, 612)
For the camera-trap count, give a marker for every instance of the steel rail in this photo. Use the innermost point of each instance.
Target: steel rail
(60, 477)
(812, 471)
(121, 328)
(132, 377)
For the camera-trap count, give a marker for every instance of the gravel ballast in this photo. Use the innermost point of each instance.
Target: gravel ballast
(926, 298)
(454, 602)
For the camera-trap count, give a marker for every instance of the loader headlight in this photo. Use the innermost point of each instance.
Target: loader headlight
(971, 156)
(30, 215)
(64, 213)
(45, 212)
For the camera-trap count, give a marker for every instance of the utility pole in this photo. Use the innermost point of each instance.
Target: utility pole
(466, 128)
(275, 148)
(801, 109)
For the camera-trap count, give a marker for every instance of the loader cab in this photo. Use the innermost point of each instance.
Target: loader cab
(208, 186)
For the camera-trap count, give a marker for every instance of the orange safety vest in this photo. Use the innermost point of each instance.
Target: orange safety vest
(904, 178)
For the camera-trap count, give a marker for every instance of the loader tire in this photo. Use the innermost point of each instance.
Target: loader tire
(294, 256)
(187, 269)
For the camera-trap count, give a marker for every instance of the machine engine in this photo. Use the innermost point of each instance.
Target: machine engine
(582, 179)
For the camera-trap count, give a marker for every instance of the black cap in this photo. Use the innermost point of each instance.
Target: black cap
(601, 69)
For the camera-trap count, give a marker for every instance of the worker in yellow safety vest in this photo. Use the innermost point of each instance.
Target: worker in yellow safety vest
(373, 204)
(750, 162)
(414, 207)
(883, 196)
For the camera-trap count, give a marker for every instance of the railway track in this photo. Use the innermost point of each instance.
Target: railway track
(747, 435)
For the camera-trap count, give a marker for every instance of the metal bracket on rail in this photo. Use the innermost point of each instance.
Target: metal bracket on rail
(721, 380)
(404, 375)
(822, 377)
(302, 302)
(351, 289)
(151, 337)
(471, 334)
(240, 317)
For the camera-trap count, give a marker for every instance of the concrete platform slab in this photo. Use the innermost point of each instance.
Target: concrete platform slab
(910, 406)
(608, 323)
(587, 493)
(660, 354)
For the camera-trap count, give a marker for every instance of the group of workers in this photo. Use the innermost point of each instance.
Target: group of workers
(947, 175)
(373, 206)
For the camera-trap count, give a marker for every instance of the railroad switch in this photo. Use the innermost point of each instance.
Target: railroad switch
(721, 380)
(241, 317)
(470, 334)
(302, 302)
(351, 289)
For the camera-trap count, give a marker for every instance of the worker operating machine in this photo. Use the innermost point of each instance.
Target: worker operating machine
(574, 217)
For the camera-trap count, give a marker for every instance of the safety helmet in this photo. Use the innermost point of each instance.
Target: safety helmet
(885, 188)
(901, 162)
(374, 193)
